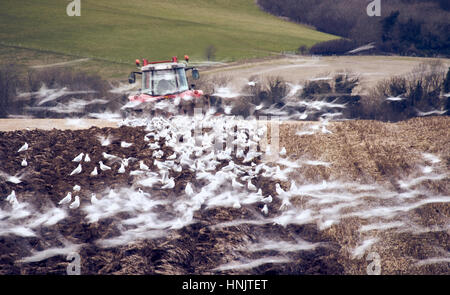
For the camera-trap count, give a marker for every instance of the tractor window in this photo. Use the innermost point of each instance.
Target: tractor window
(182, 81)
(164, 82)
(146, 81)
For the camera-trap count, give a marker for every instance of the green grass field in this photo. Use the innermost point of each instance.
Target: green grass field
(121, 31)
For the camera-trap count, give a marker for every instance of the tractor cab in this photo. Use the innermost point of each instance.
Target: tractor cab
(164, 80)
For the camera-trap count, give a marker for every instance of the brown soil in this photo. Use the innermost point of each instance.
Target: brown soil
(359, 150)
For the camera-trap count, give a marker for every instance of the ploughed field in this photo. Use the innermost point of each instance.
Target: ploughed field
(190, 195)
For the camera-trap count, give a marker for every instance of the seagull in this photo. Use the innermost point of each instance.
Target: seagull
(76, 170)
(229, 167)
(24, 163)
(12, 199)
(251, 186)
(103, 167)
(268, 199)
(125, 144)
(13, 179)
(188, 190)
(169, 185)
(105, 141)
(66, 199)
(142, 166)
(285, 203)
(94, 199)
(237, 205)
(87, 158)
(108, 156)
(153, 146)
(78, 158)
(76, 188)
(23, 148)
(11, 196)
(75, 203)
(265, 210)
(94, 172)
(121, 169)
(279, 190)
(172, 157)
(158, 154)
(127, 161)
(259, 107)
(236, 184)
(283, 152)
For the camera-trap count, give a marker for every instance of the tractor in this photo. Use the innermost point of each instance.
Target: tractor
(165, 89)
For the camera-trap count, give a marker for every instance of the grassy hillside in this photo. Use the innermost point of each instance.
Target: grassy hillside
(121, 31)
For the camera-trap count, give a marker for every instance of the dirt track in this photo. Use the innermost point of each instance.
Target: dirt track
(294, 69)
(48, 124)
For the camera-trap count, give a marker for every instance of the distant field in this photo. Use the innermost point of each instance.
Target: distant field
(120, 31)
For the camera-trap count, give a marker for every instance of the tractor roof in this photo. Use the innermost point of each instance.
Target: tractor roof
(163, 66)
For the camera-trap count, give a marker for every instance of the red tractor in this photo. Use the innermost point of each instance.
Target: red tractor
(165, 88)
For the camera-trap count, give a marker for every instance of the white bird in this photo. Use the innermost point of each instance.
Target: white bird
(169, 184)
(235, 184)
(251, 186)
(66, 199)
(283, 152)
(24, 163)
(121, 169)
(105, 141)
(188, 190)
(87, 158)
(94, 199)
(125, 144)
(268, 199)
(229, 167)
(78, 158)
(259, 107)
(10, 178)
(142, 166)
(12, 199)
(75, 203)
(265, 210)
(279, 190)
(76, 170)
(237, 205)
(94, 172)
(23, 148)
(76, 188)
(103, 167)
(11, 196)
(108, 156)
(153, 146)
(172, 157)
(158, 154)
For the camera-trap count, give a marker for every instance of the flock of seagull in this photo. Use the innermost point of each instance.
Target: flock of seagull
(223, 160)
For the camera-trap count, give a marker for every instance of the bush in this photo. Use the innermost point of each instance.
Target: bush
(9, 82)
(64, 77)
(446, 86)
(419, 91)
(332, 47)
